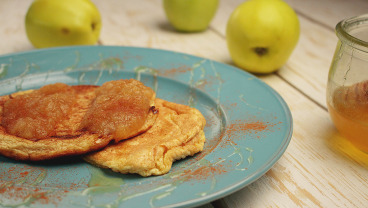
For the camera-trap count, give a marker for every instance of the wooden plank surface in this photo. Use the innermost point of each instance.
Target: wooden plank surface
(315, 171)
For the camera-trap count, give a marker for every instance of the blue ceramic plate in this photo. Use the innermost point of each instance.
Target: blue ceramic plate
(248, 128)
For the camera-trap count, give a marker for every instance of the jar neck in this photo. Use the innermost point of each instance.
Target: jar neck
(354, 32)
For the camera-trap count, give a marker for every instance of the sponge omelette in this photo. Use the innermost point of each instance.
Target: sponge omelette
(54, 120)
(177, 133)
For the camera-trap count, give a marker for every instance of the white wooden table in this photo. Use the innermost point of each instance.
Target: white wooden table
(314, 171)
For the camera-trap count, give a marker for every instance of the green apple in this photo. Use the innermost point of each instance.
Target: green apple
(261, 35)
(52, 23)
(190, 15)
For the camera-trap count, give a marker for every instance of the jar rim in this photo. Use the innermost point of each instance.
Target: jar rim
(342, 31)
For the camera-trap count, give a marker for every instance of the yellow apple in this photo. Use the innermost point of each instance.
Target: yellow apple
(52, 23)
(190, 15)
(261, 35)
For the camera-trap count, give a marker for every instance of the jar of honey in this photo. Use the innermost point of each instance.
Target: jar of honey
(347, 88)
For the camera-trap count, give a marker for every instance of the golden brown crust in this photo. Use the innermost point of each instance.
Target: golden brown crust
(24, 149)
(177, 133)
(69, 139)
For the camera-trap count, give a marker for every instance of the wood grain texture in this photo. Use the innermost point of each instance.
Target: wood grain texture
(316, 169)
(12, 33)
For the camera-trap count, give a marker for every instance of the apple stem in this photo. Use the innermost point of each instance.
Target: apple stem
(260, 51)
(65, 30)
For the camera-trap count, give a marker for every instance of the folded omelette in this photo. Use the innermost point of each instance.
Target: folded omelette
(60, 120)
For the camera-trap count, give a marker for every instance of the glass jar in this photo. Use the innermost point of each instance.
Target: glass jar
(347, 88)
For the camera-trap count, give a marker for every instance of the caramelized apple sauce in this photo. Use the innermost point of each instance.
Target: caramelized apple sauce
(120, 108)
(34, 115)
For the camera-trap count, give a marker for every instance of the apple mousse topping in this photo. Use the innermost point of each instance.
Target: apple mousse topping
(117, 108)
(120, 108)
(35, 115)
